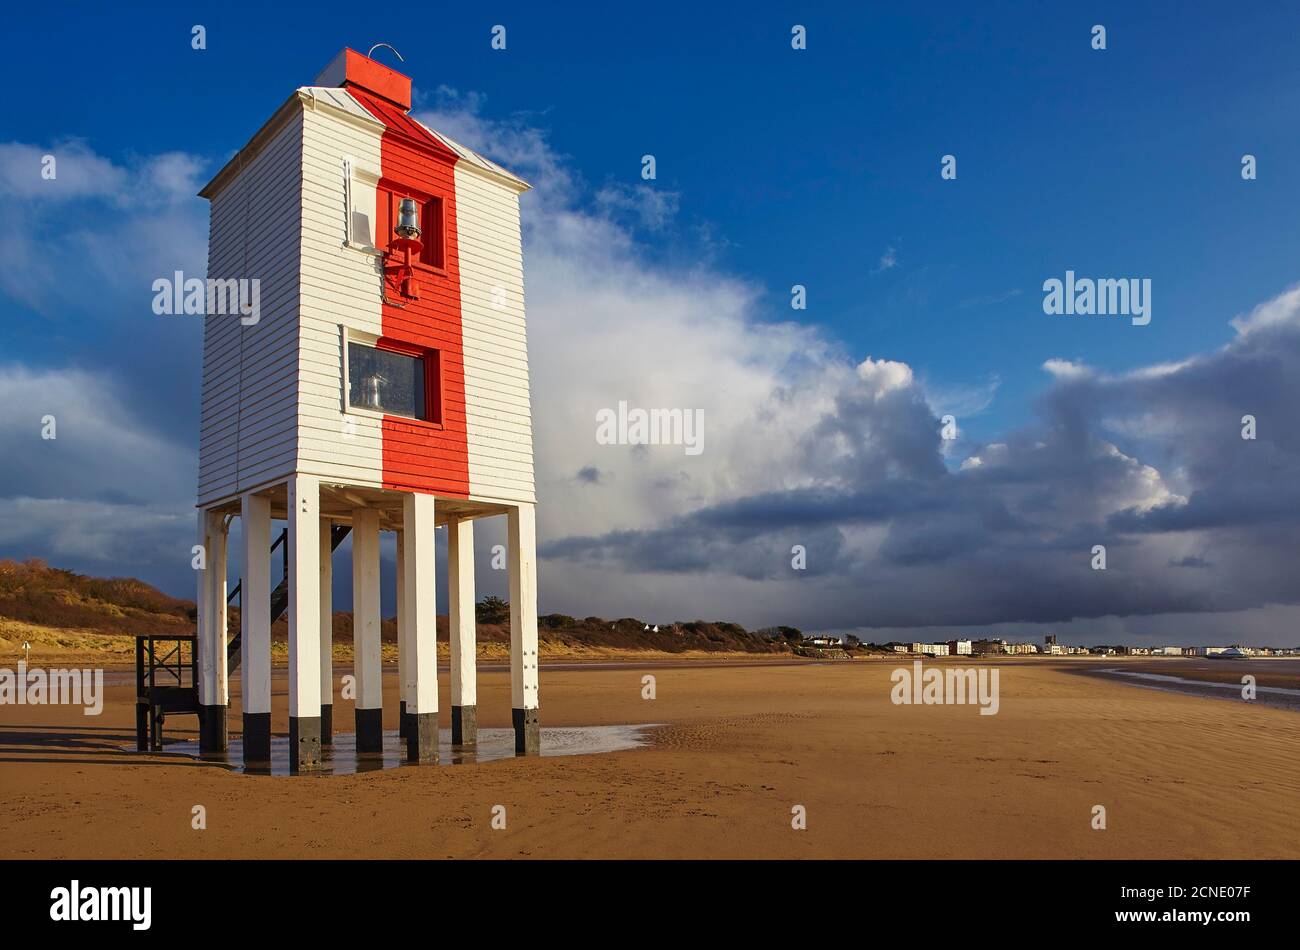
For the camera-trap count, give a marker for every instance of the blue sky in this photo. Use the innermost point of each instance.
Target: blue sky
(809, 168)
(817, 167)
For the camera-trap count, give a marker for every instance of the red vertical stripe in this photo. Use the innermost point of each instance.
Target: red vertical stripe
(423, 456)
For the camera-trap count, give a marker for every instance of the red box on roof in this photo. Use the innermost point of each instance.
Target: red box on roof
(350, 68)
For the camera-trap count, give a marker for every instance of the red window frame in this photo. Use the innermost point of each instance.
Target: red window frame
(433, 223)
(433, 400)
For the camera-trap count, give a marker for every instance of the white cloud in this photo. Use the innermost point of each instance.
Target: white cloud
(1282, 309)
(963, 401)
(605, 325)
(804, 443)
(1067, 369)
(884, 376)
(652, 207)
(126, 224)
(78, 172)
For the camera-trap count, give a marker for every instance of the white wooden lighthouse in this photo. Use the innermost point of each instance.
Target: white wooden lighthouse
(382, 385)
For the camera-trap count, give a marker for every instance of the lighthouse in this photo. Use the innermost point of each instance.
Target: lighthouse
(381, 386)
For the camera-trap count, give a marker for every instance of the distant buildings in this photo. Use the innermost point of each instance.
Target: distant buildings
(1052, 648)
(1019, 649)
(823, 641)
(921, 649)
(930, 649)
(996, 646)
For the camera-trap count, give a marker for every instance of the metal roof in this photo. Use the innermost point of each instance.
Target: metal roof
(472, 156)
(399, 119)
(345, 100)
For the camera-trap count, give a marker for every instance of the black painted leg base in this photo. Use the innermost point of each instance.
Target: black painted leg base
(403, 720)
(464, 725)
(370, 731)
(257, 738)
(213, 734)
(422, 738)
(327, 724)
(142, 727)
(528, 731)
(304, 743)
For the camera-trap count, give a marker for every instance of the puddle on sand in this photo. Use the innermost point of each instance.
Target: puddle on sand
(1276, 696)
(341, 758)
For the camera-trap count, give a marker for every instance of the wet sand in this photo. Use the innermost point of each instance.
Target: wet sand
(1180, 776)
(1283, 672)
(340, 756)
(1276, 680)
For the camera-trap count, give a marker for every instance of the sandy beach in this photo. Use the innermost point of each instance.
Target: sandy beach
(741, 743)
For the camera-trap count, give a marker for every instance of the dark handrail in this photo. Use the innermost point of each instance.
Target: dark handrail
(284, 536)
(279, 596)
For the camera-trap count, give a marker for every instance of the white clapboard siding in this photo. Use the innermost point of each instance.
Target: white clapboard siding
(296, 209)
(340, 286)
(248, 432)
(497, 402)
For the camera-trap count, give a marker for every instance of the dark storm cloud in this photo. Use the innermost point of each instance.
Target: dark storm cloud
(1150, 464)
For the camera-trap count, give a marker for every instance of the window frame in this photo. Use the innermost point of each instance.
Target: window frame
(433, 389)
(387, 195)
(360, 182)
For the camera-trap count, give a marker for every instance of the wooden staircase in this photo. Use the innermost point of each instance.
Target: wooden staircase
(167, 680)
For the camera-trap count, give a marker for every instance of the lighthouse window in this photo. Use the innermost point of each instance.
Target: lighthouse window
(432, 224)
(387, 381)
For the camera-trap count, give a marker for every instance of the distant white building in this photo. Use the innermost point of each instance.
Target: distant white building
(930, 649)
(1017, 649)
(824, 641)
(960, 647)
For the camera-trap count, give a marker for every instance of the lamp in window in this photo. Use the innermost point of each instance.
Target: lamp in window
(407, 243)
(372, 392)
(408, 220)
